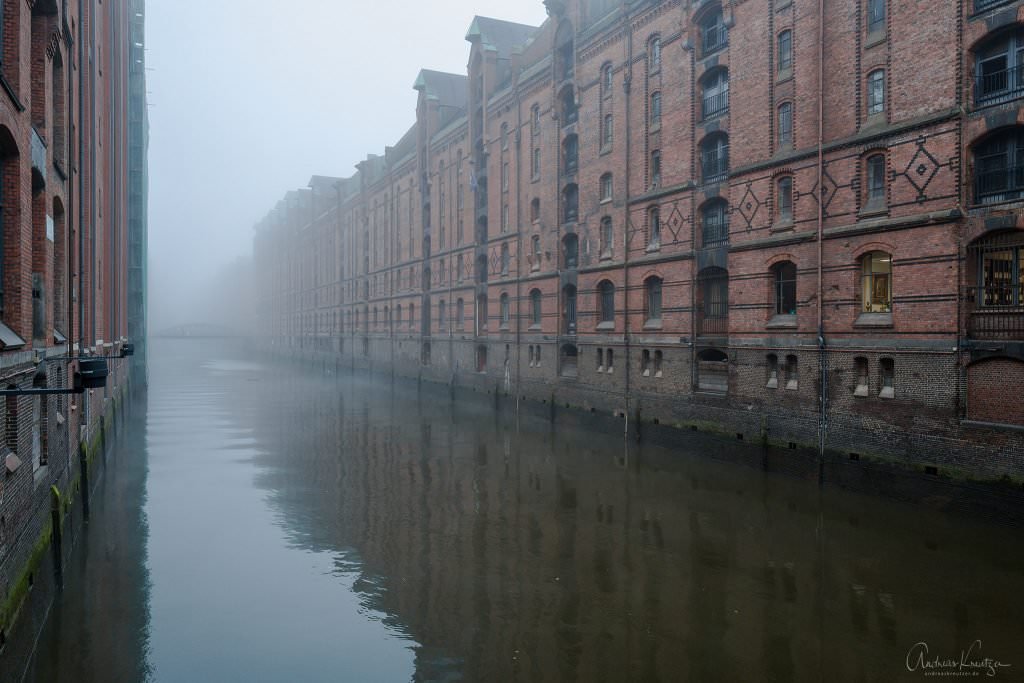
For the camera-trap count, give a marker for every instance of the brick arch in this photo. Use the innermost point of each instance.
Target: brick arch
(859, 252)
(987, 396)
(779, 258)
(994, 33)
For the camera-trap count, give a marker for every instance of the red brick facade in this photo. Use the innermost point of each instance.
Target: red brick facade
(63, 215)
(748, 214)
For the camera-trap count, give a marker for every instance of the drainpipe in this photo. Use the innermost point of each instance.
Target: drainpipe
(627, 88)
(822, 364)
(518, 140)
(92, 166)
(69, 287)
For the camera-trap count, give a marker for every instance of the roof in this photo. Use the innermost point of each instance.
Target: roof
(9, 339)
(500, 36)
(448, 89)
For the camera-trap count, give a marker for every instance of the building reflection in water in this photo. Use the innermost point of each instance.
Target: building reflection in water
(538, 553)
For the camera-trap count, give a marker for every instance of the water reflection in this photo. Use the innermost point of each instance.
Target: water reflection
(307, 528)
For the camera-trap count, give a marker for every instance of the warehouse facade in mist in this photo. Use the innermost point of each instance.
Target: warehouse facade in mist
(779, 219)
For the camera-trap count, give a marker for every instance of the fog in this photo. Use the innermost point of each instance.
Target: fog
(249, 98)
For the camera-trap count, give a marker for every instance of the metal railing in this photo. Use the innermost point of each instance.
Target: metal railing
(713, 320)
(714, 38)
(715, 232)
(998, 184)
(715, 164)
(1000, 86)
(712, 105)
(995, 311)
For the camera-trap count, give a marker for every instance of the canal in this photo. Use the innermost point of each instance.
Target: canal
(257, 522)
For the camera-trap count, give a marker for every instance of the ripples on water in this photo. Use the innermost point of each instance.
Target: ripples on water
(325, 529)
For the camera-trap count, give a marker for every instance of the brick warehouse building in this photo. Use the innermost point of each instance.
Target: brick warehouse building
(790, 219)
(65, 131)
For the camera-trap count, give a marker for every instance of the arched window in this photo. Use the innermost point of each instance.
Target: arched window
(876, 92)
(655, 53)
(606, 187)
(714, 157)
(607, 80)
(875, 197)
(792, 376)
(570, 113)
(715, 223)
(715, 92)
(571, 154)
(570, 203)
(460, 314)
(569, 300)
(607, 133)
(535, 308)
(505, 310)
(876, 282)
(442, 317)
(772, 369)
(785, 50)
(655, 109)
(606, 301)
(713, 302)
(713, 371)
(565, 55)
(654, 227)
(999, 167)
(784, 198)
(481, 312)
(535, 210)
(652, 300)
(784, 288)
(606, 237)
(999, 68)
(535, 252)
(655, 168)
(535, 120)
(505, 258)
(713, 32)
(785, 124)
(504, 136)
(571, 249)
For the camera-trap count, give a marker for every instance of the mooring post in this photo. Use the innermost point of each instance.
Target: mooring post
(56, 538)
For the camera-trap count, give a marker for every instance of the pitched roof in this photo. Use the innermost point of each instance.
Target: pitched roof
(500, 36)
(449, 89)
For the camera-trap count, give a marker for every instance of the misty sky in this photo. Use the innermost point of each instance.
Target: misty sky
(252, 97)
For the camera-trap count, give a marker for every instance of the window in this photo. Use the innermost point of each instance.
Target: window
(786, 124)
(792, 378)
(658, 356)
(784, 288)
(713, 32)
(606, 237)
(784, 198)
(607, 80)
(570, 203)
(569, 360)
(609, 360)
(652, 300)
(645, 363)
(535, 169)
(607, 132)
(606, 301)
(715, 93)
(876, 282)
(571, 247)
(655, 53)
(569, 299)
(600, 360)
(481, 312)
(535, 251)
(458, 268)
(535, 210)
(570, 113)
(999, 167)
(655, 168)
(654, 227)
(785, 51)
(504, 177)
(504, 136)
(715, 223)
(481, 358)
(505, 258)
(535, 308)
(860, 371)
(887, 378)
(571, 154)
(460, 314)
(606, 187)
(442, 319)
(504, 307)
(876, 92)
(772, 366)
(535, 120)
(504, 218)
(714, 158)
(876, 15)
(655, 109)
(876, 180)
(713, 302)
(999, 68)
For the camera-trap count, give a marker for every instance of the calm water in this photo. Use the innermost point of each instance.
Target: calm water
(258, 524)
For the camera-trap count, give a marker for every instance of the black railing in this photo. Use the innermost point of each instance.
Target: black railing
(997, 312)
(715, 164)
(571, 115)
(714, 38)
(999, 184)
(982, 5)
(713, 105)
(1000, 86)
(716, 232)
(713, 320)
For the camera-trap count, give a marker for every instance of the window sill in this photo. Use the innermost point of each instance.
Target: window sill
(605, 257)
(655, 127)
(887, 393)
(782, 226)
(652, 324)
(875, 38)
(868, 320)
(792, 385)
(772, 384)
(874, 121)
(533, 328)
(782, 322)
(861, 391)
(606, 200)
(653, 247)
(873, 210)
(605, 149)
(784, 75)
